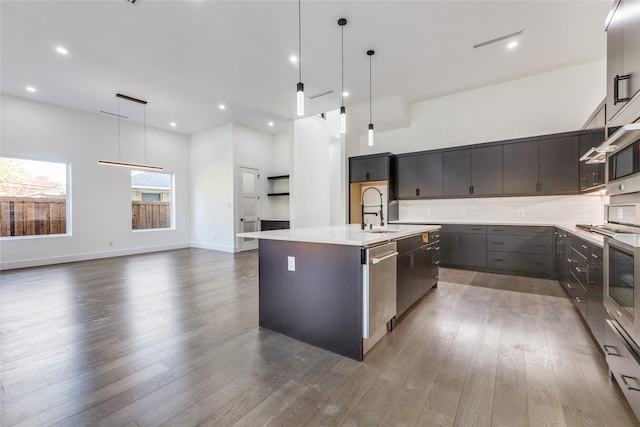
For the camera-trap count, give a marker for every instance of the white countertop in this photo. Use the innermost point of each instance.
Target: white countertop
(348, 234)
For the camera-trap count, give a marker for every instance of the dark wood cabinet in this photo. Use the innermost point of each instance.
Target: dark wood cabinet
(545, 166)
(417, 269)
(370, 168)
(419, 176)
(463, 246)
(558, 165)
(456, 167)
(591, 175)
(486, 170)
(520, 250)
(623, 55)
(596, 312)
(520, 168)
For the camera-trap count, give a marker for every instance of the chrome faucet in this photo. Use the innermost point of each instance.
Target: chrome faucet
(362, 206)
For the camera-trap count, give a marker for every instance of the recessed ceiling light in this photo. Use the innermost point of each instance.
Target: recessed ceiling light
(30, 89)
(62, 51)
(173, 124)
(271, 124)
(293, 59)
(222, 107)
(345, 93)
(512, 45)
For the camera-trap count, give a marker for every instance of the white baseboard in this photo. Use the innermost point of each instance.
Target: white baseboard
(213, 247)
(36, 262)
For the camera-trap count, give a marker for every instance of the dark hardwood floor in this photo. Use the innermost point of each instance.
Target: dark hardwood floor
(172, 339)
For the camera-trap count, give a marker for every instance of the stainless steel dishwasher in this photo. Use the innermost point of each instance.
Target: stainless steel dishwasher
(379, 287)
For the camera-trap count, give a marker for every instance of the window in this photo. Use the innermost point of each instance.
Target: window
(150, 200)
(33, 197)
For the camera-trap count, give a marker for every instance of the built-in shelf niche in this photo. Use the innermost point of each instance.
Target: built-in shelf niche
(278, 185)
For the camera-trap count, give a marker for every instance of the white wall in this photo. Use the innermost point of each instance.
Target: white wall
(212, 189)
(310, 195)
(553, 102)
(101, 195)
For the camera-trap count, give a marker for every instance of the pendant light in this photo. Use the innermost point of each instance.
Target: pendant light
(343, 112)
(300, 86)
(370, 132)
(126, 164)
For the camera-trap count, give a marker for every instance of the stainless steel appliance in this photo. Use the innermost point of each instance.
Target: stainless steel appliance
(622, 264)
(379, 289)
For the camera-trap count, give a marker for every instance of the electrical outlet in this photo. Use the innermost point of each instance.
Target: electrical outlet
(427, 212)
(463, 212)
(291, 263)
(520, 212)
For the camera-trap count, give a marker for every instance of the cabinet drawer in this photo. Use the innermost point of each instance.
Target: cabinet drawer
(596, 256)
(580, 246)
(464, 228)
(410, 243)
(537, 264)
(624, 366)
(524, 244)
(518, 230)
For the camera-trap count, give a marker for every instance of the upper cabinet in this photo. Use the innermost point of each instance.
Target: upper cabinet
(591, 175)
(419, 175)
(623, 59)
(473, 171)
(546, 166)
(377, 167)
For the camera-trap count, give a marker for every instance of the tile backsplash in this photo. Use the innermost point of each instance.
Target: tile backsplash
(582, 209)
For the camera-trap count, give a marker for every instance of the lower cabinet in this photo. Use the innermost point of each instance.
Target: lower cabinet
(273, 224)
(522, 250)
(510, 249)
(417, 273)
(623, 362)
(582, 277)
(464, 246)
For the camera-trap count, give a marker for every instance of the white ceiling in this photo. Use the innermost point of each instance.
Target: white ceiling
(186, 57)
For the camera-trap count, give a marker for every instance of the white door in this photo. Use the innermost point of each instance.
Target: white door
(249, 206)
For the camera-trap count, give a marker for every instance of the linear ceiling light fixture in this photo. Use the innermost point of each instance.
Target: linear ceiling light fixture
(370, 131)
(343, 111)
(300, 86)
(127, 164)
(498, 39)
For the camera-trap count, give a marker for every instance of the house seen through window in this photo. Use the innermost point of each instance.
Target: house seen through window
(151, 200)
(33, 197)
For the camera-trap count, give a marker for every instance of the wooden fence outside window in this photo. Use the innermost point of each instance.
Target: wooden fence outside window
(28, 216)
(148, 215)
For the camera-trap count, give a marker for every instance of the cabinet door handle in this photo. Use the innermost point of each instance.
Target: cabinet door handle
(471, 189)
(498, 243)
(570, 286)
(417, 192)
(595, 256)
(498, 259)
(616, 88)
(582, 270)
(367, 176)
(579, 301)
(584, 246)
(626, 384)
(609, 353)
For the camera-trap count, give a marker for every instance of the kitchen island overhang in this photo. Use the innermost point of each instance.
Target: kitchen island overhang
(313, 287)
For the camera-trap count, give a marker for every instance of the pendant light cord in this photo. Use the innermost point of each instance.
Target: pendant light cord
(119, 131)
(370, 89)
(299, 41)
(342, 59)
(144, 118)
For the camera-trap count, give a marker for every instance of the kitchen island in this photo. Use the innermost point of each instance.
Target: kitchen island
(317, 284)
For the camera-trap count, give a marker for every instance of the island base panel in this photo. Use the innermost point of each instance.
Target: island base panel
(319, 303)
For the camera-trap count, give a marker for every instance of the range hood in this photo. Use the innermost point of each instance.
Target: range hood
(620, 139)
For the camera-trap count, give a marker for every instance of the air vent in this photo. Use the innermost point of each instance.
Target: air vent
(321, 94)
(497, 39)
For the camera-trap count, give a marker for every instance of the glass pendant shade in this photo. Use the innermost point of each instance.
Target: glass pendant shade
(343, 120)
(300, 99)
(370, 135)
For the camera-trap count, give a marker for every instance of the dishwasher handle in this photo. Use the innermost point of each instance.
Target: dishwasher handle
(378, 260)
